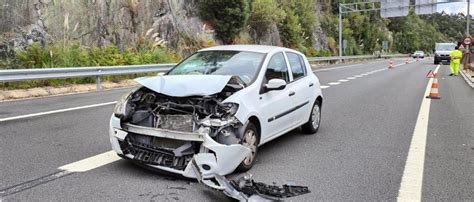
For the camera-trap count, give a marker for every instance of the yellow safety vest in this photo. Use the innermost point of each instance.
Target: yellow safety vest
(456, 56)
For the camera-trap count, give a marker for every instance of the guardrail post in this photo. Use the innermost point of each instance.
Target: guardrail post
(97, 83)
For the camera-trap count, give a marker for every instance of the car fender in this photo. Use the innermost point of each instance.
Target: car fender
(246, 99)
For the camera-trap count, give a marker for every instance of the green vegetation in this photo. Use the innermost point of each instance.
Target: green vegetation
(228, 17)
(413, 33)
(298, 25)
(298, 22)
(75, 55)
(264, 14)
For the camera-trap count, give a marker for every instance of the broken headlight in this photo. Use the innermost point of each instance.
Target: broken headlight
(122, 108)
(231, 108)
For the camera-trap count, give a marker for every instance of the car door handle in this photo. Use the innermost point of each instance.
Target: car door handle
(311, 84)
(292, 93)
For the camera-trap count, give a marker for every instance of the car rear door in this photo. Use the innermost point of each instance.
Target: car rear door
(301, 87)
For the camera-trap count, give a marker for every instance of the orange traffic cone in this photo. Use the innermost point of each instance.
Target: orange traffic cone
(434, 88)
(390, 66)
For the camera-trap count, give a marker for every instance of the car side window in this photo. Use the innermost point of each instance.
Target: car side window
(277, 68)
(296, 64)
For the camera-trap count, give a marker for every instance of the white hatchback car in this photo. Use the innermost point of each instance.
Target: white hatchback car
(209, 113)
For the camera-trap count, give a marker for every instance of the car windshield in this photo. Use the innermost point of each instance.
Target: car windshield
(419, 52)
(235, 63)
(445, 47)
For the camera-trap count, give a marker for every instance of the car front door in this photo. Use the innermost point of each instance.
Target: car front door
(275, 104)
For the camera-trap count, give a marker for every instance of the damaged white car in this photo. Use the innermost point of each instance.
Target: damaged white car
(209, 113)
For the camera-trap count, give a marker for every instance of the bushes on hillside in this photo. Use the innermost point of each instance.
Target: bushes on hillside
(228, 17)
(264, 14)
(298, 25)
(74, 55)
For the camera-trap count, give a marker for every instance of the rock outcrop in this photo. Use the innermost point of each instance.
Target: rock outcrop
(124, 23)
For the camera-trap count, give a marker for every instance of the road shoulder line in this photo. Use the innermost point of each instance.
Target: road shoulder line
(412, 179)
(54, 111)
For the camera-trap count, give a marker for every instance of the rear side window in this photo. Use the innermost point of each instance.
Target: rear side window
(297, 65)
(277, 68)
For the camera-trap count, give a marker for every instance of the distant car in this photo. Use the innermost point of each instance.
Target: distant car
(208, 114)
(442, 51)
(418, 54)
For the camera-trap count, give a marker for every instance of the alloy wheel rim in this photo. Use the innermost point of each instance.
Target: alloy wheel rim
(249, 141)
(316, 116)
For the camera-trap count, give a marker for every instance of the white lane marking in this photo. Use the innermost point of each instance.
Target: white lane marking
(358, 76)
(399, 64)
(412, 180)
(351, 78)
(364, 74)
(91, 162)
(334, 83)
(55, 111)
(67, 94)
(334, 68)
(343, 80)
(324, 87)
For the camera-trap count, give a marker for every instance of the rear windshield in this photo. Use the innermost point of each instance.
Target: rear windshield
(445, 47)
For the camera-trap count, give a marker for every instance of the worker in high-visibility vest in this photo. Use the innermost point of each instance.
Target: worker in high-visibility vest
(456, 56)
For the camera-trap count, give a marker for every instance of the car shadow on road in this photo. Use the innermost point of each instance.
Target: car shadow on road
(179, 182)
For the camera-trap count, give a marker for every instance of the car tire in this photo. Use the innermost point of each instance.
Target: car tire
(312, 126)
(436, 62)
(250, 139)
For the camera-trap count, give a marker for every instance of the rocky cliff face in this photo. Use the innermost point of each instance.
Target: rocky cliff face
(178, 23)
(320, 40)
(175, 23)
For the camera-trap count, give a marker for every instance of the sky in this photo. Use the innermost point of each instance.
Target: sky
(454, 8)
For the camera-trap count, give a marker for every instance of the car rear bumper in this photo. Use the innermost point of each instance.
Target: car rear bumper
(443, 58)
(212, 157)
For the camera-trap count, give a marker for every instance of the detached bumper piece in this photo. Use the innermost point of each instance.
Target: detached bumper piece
(246, 189)
(136, 149)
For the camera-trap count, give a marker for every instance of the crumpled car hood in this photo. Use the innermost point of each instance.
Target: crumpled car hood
(185, 85)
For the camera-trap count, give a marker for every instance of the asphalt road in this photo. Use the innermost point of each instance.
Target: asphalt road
(360, 153)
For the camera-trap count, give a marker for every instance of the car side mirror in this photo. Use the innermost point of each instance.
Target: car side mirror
(275, 84)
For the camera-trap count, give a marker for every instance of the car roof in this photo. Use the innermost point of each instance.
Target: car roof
(252, 48)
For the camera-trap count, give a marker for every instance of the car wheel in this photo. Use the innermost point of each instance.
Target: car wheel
(250, 140)
(436, 62)
(312, 126)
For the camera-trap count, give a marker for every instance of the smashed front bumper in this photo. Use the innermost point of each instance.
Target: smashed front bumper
(129, 140)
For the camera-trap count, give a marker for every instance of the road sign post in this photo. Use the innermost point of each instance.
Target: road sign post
(340, 33)
(385, 45)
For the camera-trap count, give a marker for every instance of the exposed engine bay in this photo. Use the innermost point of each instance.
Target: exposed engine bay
(208, 114)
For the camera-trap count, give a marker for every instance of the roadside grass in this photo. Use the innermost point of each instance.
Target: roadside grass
(75, 55)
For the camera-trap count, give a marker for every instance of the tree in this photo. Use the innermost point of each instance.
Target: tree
(228, 17)
(264, 14)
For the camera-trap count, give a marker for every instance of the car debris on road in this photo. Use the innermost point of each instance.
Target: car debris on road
(244, 188)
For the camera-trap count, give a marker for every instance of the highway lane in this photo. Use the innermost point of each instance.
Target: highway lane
(358, 154)
(35, 105)
(10, 109)
(449, 172)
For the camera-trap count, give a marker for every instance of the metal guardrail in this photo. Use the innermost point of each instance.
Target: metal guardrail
(333, 58)
(72, 72)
